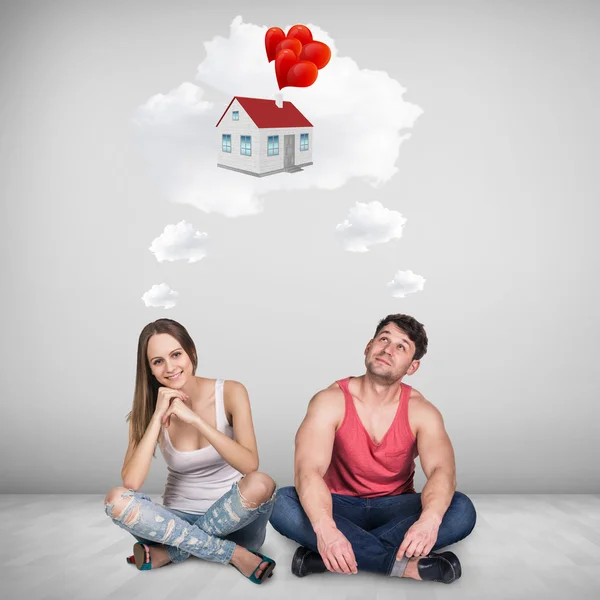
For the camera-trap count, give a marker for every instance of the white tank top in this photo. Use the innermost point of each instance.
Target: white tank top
(198, 478)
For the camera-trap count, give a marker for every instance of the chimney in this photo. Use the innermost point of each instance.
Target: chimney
(279, 100)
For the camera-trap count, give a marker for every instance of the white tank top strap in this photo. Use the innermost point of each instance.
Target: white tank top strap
(221, 417)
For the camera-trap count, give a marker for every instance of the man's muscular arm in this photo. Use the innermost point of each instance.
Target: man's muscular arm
(314, 444)
(437, 460)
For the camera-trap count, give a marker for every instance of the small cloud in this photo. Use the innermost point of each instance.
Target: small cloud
(369, 224)
(179, 242)
(160, 296)
(405, 282)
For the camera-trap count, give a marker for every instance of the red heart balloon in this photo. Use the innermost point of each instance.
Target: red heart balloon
(302, 74)
(300, 32)
(285, 60)
(317, 52)
(291, 44)
(272, 38)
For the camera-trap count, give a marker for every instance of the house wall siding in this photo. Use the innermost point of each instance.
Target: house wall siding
(245, 126)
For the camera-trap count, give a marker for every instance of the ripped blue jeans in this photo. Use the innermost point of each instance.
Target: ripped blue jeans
(212, 536)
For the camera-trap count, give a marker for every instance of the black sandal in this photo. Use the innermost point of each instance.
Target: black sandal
(268, 572)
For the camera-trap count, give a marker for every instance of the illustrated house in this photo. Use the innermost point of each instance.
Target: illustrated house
(261, 137)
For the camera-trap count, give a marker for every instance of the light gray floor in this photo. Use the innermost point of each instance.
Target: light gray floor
(523, 547)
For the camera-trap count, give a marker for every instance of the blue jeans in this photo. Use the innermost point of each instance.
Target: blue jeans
(375, 527)
(211, 536)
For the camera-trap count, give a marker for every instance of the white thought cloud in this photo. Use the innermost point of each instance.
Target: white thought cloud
(160, 296)
(405, 282)
(359, 119)
(179, 242)
(369, 224)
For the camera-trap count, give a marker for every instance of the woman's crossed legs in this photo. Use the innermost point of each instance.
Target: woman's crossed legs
(174, 536)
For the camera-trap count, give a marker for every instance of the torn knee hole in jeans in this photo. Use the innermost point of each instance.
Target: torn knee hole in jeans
(247, 503)
(253, 505)
(120, 508)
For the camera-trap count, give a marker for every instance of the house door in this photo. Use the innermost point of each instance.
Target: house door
(289, 151)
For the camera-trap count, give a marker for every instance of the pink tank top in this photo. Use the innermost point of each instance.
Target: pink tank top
(360, 467)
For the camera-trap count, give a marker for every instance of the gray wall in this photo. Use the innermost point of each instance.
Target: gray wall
(496, 182)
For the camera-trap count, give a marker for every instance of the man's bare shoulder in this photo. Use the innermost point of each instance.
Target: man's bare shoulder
(334, 386)
(328, 403)
(330, 397)
(421, 411)
(419, 401)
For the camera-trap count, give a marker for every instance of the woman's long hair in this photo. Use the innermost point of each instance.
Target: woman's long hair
(146, 385)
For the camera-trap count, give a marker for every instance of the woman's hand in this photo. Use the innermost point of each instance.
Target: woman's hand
(181, 410)
(163, 400)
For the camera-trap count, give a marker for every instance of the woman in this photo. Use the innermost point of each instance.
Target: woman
(216, 505)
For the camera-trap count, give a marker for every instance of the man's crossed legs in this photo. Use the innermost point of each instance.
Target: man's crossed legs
(375, 527)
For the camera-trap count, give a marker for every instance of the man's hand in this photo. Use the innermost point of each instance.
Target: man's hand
(420, 538)
(335, 549)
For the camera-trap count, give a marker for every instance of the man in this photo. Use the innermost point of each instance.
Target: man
(354, 505)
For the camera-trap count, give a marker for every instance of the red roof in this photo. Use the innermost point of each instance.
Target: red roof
(266, 113)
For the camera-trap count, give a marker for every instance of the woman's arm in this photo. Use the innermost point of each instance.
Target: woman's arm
(138, 458)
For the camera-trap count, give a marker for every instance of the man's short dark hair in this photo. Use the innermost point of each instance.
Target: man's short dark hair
(412, 327)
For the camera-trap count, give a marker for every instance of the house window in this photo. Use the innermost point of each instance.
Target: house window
(236, 115)
(304, 141)
(226, 143)
(246, 145)
(273, 145)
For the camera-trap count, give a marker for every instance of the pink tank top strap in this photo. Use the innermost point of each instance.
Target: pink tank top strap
(403, 421)
(350, 414)
(343, 383)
